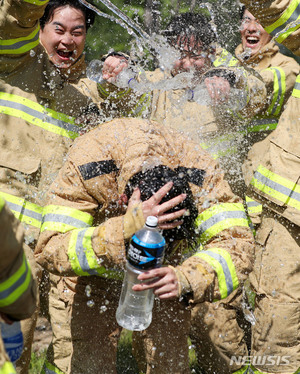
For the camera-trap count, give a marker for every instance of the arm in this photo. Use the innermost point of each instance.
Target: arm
(18, 289)
(276, 16)
(19, 29)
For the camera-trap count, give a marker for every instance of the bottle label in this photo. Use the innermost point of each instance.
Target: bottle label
(145, 255)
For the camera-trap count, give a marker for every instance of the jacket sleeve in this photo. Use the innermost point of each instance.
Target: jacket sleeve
(17, 287)
(224, 253)
(279, 81)
(19, 30)
(279, 18)
(72, 241)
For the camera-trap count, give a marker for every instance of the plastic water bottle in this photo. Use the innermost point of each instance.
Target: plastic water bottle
(13, 340)
(146, 251)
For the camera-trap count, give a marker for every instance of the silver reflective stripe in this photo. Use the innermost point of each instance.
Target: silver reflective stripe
(80, 251)
(279, 90)
(15, 285)
(222, 261)
(19, 44)
(277, 187)
(71, 221)
(297, 86)
(219, 217)
(24, 211)
(292, 18)
(44, 117)
(252, 204)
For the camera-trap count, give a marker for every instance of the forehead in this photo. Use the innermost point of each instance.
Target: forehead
(66, 14)
(248, 14)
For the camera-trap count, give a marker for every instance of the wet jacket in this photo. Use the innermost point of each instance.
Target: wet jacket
(38, 107)
(17, 288)
(279, 73)
(276, 160)
(85, 231)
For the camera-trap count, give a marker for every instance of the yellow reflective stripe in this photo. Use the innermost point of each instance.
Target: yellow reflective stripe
(262, 124)
(225, 59)
(36, 114)
(7, 368)
(220, 260)
(220, 217)
(142, 105)
(279, 89)
(277, 187)
(63, 219)
(20, 45)
(253, 206)
(48, 368)
(82, 257)
(291, 14)
(36, 2)
(296, 90)
(24, 210)
(14, 287)
(102, 90)
(2, 203)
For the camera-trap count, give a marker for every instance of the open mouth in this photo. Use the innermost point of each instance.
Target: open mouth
(252, 40)
(65, 55)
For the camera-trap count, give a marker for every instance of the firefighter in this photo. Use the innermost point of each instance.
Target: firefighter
(218, 131)
(43, 89)
(18, 288)
(85, 231)
(279, 73)
(275, 184)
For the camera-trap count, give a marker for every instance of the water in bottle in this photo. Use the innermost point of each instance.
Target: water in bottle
(146, 251)
(13, 340)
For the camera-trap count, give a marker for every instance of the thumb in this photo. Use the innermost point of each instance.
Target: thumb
(135, 197)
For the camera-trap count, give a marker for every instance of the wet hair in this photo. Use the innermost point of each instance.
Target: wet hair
(151, 180)
(242, 11)
(186, 25)
(54, 4)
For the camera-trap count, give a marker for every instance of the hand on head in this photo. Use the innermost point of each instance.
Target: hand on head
(152, 206)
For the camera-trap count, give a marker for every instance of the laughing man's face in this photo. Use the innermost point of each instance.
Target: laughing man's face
(254, 37)
(64, 36)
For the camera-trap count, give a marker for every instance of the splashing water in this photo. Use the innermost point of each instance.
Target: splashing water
(165, 54)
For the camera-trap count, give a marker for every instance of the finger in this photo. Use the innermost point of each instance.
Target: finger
(161, 193)
(135, 197)
(170, 225)
(171, 216)
(165, 207)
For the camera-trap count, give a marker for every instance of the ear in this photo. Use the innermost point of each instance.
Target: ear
(123, 199)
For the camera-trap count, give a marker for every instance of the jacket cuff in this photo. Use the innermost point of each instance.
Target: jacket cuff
(184, 286)
(134, 220)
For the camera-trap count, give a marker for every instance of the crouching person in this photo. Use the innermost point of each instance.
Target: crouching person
(17, 287)
(86, 229)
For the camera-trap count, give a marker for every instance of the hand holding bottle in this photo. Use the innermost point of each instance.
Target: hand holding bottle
(112, 67)
(162, 280)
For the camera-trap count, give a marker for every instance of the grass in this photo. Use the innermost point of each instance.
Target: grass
(36, 362)
(126, 363)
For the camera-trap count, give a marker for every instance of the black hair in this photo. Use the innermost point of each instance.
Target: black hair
(183, 26)
(242, 11)
(54, 4)
(151, 180)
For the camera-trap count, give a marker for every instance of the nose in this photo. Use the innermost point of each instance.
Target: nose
(67, 39)
(252, 25)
